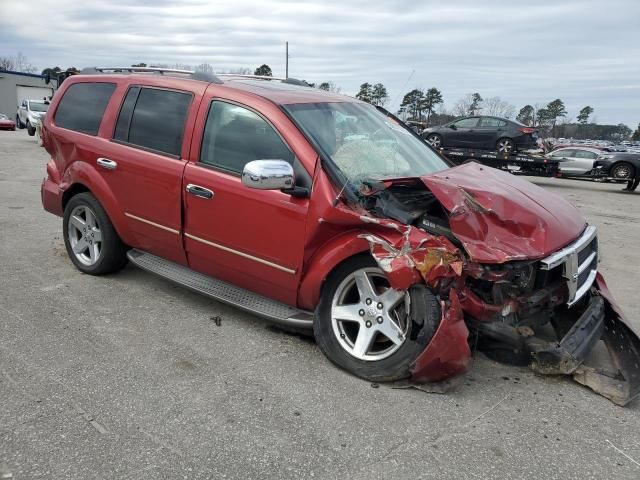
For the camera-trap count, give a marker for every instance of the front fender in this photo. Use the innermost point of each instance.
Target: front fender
(323, 261)
(84, 174)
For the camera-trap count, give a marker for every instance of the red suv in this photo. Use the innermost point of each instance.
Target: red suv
(318, 211)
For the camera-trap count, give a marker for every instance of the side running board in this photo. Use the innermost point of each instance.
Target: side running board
(224, 292)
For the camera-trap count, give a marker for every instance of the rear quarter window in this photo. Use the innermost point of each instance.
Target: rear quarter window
(83, 105)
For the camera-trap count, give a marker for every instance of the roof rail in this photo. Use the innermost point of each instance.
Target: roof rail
(292, 81)
(203, 76)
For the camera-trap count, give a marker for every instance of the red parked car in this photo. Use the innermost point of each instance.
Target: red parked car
(6, 123)
(321, 212)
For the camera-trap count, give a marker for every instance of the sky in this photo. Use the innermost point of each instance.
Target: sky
(585, 52)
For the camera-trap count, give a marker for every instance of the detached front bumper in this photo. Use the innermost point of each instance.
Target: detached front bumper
(601, 320)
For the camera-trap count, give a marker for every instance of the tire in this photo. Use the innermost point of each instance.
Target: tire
(31, 129)
(384, 359)
(505, 146)
(622, 171)
(434, 140)
(98, 257)
(19, 124)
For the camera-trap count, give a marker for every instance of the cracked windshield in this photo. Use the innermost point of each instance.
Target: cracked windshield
(364, 143)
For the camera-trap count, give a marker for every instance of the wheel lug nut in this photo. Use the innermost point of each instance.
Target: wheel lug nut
(361, 313)
(368, 301)
(368, 324)
(380, 305)
(379, 319)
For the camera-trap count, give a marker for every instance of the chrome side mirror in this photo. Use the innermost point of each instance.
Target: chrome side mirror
(268, 175)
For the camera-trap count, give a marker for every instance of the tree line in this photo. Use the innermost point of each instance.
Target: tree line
(419, 105)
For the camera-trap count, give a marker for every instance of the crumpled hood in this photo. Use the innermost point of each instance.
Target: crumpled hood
(499, 217)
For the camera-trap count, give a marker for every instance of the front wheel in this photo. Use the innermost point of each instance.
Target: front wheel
(505, 146)
(92, 243)
(434, 140)
(370, 329)
(622, 171)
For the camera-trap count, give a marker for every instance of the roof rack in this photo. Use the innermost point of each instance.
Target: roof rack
(291, 81)
(207, 77)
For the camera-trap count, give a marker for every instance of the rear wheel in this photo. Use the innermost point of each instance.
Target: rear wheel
(505, 146)
(31, 130)
(19, 124)
(368, 328)
(434, 140)
(622, 171)
(92, 243)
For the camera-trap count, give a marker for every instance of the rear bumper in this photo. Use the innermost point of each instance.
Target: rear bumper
(51, 197)
(525, 141)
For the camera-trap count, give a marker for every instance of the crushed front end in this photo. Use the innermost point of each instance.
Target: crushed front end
(516, 274)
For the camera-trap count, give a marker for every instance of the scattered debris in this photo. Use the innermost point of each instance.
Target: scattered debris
(442, 387)
(217, 320)
(89, 418)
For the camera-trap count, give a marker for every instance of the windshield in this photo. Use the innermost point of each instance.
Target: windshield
(38, 107)
(364, 143)
(3, 117)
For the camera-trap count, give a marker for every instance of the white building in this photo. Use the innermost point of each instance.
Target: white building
(18, 86)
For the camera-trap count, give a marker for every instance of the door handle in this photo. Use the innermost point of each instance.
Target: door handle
(199, 191)
(106, 163)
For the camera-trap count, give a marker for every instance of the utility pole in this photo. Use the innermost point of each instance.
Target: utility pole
(286, 63)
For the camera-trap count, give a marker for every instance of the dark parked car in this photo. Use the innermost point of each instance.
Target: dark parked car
(619, 166)
(484, 132)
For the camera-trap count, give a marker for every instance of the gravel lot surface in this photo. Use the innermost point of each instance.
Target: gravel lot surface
(128, 376)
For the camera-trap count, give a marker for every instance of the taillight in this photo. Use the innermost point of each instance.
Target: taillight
(527, 130)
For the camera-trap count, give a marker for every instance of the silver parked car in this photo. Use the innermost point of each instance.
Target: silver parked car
(577, 161)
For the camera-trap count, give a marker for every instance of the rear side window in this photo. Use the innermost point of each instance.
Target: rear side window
(586, 154)
(83, 105)
(153, 118)
(492, 122)
(563, 153)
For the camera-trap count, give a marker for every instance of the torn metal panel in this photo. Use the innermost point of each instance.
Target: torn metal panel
(448, 354)
(623, 345)
(413, 255)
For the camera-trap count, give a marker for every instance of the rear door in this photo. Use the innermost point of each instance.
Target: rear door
(144, 160)
(488, 131)
(251, 238)
(583, 160)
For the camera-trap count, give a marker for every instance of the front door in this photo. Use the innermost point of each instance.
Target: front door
(251, 238)
(463, 133)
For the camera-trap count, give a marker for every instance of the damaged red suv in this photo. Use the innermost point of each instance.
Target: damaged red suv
(321, 212)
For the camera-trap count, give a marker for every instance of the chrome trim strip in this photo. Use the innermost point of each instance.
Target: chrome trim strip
(149, 222)
(557, 258)
(568, 258)
(583, 288)
(587, 263)
(242, 254)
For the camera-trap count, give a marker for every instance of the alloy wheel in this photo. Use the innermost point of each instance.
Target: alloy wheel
(434, 141)
(369, 319)
(505, 145)
(622, 171)
(85, 236)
